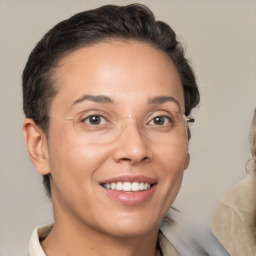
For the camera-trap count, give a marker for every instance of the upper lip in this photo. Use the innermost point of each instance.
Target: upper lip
(128, 178)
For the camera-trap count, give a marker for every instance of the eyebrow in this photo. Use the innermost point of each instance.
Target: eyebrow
(106, 99)
(163, 99)
(94, 98)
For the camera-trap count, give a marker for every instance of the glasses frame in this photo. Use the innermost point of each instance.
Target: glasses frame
(185, 118)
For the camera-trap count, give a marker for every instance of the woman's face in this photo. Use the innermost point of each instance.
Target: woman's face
(137, 86)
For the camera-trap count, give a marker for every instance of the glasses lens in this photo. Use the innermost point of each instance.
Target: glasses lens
(160, 126)
(166, 129)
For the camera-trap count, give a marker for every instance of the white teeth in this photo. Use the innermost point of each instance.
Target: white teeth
(127, 186)
(141, 186)
(119, 186)
(113, 186)
(135, 186)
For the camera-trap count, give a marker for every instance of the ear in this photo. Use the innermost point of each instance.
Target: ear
(37, 147)
(187, 160)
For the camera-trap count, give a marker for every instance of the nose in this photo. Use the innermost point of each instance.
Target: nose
(131, 146)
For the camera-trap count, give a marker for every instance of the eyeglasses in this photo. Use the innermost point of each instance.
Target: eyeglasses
(163, 126)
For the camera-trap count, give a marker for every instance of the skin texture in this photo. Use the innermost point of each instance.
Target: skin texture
(130, 73)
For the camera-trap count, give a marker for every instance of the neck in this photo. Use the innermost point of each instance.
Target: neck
(77, 240)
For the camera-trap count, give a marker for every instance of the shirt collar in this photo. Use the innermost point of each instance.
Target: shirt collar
(34, 246)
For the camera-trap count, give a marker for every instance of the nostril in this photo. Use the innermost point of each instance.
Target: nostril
(134, 160)
(145, 159)
(126, 159)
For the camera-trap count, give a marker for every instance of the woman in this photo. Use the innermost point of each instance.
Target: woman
(107, 95)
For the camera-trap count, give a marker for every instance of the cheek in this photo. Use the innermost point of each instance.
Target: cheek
(172, 159)
(172, 163)
(73, 164)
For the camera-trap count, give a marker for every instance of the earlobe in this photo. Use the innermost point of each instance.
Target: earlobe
(187, 160)
(36, 142)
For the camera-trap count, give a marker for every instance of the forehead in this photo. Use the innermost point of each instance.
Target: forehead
(124, 71)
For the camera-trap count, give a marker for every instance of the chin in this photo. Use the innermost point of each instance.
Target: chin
(132, 232)
(130, 227)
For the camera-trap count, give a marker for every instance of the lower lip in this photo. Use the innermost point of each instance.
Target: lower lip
(131, 198)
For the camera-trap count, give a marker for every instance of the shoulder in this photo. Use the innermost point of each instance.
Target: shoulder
(238, 203)
(234, 219)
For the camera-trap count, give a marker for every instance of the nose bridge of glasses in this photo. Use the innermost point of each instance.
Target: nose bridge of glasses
(129, 126)
(130, 120)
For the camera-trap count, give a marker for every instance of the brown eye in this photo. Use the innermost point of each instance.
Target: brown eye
(160, 120)
(95, 120)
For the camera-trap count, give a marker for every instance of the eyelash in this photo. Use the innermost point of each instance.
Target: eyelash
(89, 118)
(84, 120)
(166, 118)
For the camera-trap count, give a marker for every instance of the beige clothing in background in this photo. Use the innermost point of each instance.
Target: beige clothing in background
(234, 219)
(234, 222)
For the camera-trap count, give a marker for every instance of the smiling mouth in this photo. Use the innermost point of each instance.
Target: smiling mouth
(127, 186)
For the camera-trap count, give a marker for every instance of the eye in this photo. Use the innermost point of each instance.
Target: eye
(160, 120)
(95, 120)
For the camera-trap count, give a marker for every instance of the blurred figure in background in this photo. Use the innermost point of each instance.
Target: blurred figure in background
(234, 220)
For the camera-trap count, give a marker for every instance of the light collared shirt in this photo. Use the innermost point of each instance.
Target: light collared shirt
(34, 246)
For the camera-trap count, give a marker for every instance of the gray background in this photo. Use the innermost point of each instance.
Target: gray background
(220, 37)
